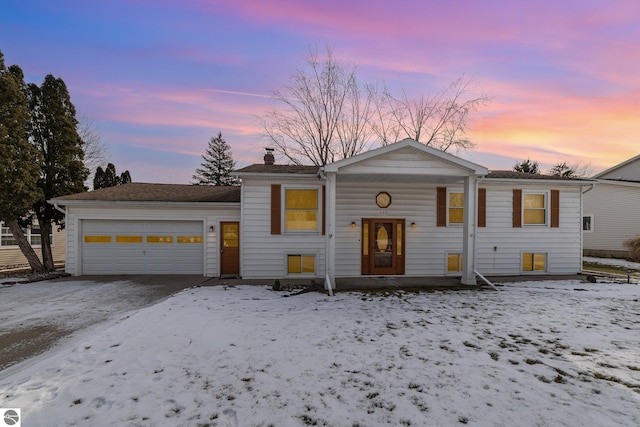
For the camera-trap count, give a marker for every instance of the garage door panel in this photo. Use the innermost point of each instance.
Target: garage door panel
(142, 247)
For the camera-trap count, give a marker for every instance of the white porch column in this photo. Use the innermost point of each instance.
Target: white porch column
(469, 232)
(330, 232)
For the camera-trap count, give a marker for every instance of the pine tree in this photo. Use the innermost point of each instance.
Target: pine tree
(54, 133)
(108, 177)
(19, 171)
(217, 165)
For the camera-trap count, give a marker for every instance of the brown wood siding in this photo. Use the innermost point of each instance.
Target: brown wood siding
(555, 208)
(482, 207)
(517, 208)
(276, 218)
(441, 209)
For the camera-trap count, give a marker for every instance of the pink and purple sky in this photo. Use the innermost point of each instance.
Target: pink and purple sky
(159, 78)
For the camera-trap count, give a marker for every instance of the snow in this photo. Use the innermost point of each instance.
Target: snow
(559, 353)
(614, 262)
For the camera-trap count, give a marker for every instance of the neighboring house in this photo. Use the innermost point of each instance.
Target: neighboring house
(11, 256)
(405, 209)
(611, 210)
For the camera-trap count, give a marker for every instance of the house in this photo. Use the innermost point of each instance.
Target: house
(611, 210)
(11, 257)
(404, 209)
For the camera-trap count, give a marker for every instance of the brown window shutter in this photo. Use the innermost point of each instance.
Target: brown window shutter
(555, 208)
(517, 208)
(324, 209)
(441, 207)
(482, 207)
(276, 217)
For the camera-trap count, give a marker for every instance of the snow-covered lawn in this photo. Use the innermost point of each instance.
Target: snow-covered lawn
(534, 353)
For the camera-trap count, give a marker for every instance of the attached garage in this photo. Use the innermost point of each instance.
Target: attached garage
(140, 228)
(142, 247)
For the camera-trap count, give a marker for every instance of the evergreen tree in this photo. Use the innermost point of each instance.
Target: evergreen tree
(217, 165)
(54, 133)
(104, 178)
(19, 171)
(527, 166)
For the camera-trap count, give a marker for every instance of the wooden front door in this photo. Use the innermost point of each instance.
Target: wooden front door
(230, 249)
(383, 246)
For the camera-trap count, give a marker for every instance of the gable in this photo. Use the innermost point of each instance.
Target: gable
(628, 170)
(406, 158)
(405, 161)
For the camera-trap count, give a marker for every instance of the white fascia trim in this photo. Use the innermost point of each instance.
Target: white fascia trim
(152, 204)
(582, 183)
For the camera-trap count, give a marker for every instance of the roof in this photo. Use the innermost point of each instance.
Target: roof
(616, 167)
(279, 169)
(509, 174)
(143, 192)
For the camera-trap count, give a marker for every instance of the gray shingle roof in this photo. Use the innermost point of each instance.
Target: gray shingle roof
(142, 192)
(509, 174)
(296, 169)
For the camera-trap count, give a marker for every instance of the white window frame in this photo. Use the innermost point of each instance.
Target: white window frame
(301, 254)
(27, 232)
(546, 262)
(546, 195)
(446, 264)
(590, 230)
(283, 209)
(449, 192)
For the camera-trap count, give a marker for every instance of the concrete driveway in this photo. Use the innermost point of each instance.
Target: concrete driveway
(37, 316)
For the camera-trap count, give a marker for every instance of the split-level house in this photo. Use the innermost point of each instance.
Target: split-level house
(404, 209)
(611, 210)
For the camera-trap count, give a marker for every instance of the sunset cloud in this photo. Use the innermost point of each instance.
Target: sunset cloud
(162, 77)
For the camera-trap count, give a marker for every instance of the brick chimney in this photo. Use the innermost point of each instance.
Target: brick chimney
(268, 157)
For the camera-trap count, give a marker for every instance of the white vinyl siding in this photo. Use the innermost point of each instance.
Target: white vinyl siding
(405, 161)
(425, 245)
(264, 254)
(615, 208)
(499, 245)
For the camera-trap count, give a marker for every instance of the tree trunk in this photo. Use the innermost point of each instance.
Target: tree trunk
(45, 244)
(25, 247)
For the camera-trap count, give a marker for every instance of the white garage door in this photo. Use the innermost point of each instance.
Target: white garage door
(142, 247)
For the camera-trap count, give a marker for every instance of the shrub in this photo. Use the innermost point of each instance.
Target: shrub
(634, 247)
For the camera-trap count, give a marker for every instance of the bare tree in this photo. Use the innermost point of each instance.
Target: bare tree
(527, 166)
(440, 120)
(326, 114)
(323, 114)
(95, 152)
(574, 170)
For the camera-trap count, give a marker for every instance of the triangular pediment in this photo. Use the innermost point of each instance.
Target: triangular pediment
(406, 157)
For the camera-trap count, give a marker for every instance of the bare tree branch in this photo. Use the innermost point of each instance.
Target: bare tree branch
(325, 114)
(95, 152)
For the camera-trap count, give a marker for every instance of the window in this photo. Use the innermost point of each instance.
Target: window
(456, 208)
(301, 210)
(534, 262)
(587, 223)
(454, 263)
(534, 208)
(301, 264)
(33, 236)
